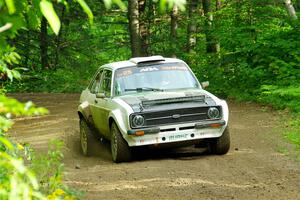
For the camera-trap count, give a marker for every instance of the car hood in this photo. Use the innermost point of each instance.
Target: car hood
(152, 101)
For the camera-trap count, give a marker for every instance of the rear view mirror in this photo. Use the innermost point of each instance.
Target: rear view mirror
(205, 84)
(100, 95)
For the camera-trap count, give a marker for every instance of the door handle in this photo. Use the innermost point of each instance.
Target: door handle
(96, 101)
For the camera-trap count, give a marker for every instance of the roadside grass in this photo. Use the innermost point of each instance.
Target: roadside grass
(283, 150)
(291, 132)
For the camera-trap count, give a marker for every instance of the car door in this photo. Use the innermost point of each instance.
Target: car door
(99, 107)
(89, 94)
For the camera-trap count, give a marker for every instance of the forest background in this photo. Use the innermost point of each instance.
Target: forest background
(247, 50)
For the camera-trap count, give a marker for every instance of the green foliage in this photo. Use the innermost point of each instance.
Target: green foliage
(9, 58)
(168, 4)
(16, 180)
(259, 60)
(84, 48)
(259, 57)
(108, 4)
(292, 135)
(259, 47)
(12, 108)
(48, 11)
(49, 170)
(61, 80)
(281, 97)
(86, 9)
(42, 177)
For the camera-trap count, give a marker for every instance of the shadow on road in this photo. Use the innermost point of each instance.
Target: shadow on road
(101, 150)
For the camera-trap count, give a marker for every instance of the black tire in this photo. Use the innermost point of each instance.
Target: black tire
(86, 138)
(120, 150)
(221, 145)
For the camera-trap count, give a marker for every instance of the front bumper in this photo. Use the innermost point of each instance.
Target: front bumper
(176, 133)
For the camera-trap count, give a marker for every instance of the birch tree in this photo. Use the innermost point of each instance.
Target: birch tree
(290, 9)
(174, 26)
(192, 25)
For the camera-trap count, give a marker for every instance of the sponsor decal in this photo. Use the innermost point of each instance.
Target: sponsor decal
(135, 70)
(149, 69)
(183, 68)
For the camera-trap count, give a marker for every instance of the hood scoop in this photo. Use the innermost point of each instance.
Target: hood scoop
(198, 98)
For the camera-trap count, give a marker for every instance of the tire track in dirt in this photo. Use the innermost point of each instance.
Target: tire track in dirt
(253, 169)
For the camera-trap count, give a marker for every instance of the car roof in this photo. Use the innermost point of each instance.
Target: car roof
(135, 61)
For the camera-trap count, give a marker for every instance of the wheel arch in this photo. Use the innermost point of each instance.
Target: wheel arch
(80, 115)
(110, 121)
(83, 111)
(120, 119)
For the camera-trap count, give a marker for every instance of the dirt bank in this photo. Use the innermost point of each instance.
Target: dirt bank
(253, 169)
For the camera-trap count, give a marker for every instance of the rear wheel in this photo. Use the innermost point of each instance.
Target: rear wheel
(221, 145)
(119, 148)
(86, 137)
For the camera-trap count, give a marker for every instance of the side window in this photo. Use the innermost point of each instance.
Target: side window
(96, 83)
(105, 86)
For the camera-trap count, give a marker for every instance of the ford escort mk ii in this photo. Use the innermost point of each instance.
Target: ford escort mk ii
(151, 101)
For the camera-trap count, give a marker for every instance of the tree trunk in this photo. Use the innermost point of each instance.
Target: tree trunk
(237, 16)
(174, 26)
(134, 27)
(58, 39)
(218, 4)
(44, 43)
(192, 25)
(150, 19)
(211, 43)
(290, 9)
(297, 4)
(27, 41)
(144, 27)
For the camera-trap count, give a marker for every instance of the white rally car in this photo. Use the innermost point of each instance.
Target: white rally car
(151, 101)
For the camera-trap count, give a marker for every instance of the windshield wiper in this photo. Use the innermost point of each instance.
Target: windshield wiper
(144, 89)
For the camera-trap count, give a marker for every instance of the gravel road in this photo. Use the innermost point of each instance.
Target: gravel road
(253, 169)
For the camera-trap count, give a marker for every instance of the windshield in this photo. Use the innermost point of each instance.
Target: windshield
(153, 78)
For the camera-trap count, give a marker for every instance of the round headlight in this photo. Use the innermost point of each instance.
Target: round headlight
(138, 121)
(213, 113)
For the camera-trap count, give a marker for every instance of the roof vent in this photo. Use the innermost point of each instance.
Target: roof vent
(139, 60)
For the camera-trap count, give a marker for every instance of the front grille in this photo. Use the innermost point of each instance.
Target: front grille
(176, 116)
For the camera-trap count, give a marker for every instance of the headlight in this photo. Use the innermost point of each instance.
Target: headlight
(138, 121)
(213, 113)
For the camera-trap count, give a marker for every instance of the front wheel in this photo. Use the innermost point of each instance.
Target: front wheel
(86, 137)
(221, 145)
(119, 148)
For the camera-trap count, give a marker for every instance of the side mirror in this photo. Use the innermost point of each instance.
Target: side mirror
(100, 95)
(205, 84)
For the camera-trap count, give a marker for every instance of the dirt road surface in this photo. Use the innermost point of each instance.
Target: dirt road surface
(253, 169)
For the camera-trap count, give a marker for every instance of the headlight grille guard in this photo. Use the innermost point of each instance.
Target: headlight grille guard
(174, 116)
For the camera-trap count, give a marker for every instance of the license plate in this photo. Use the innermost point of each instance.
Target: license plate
(178, 137)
